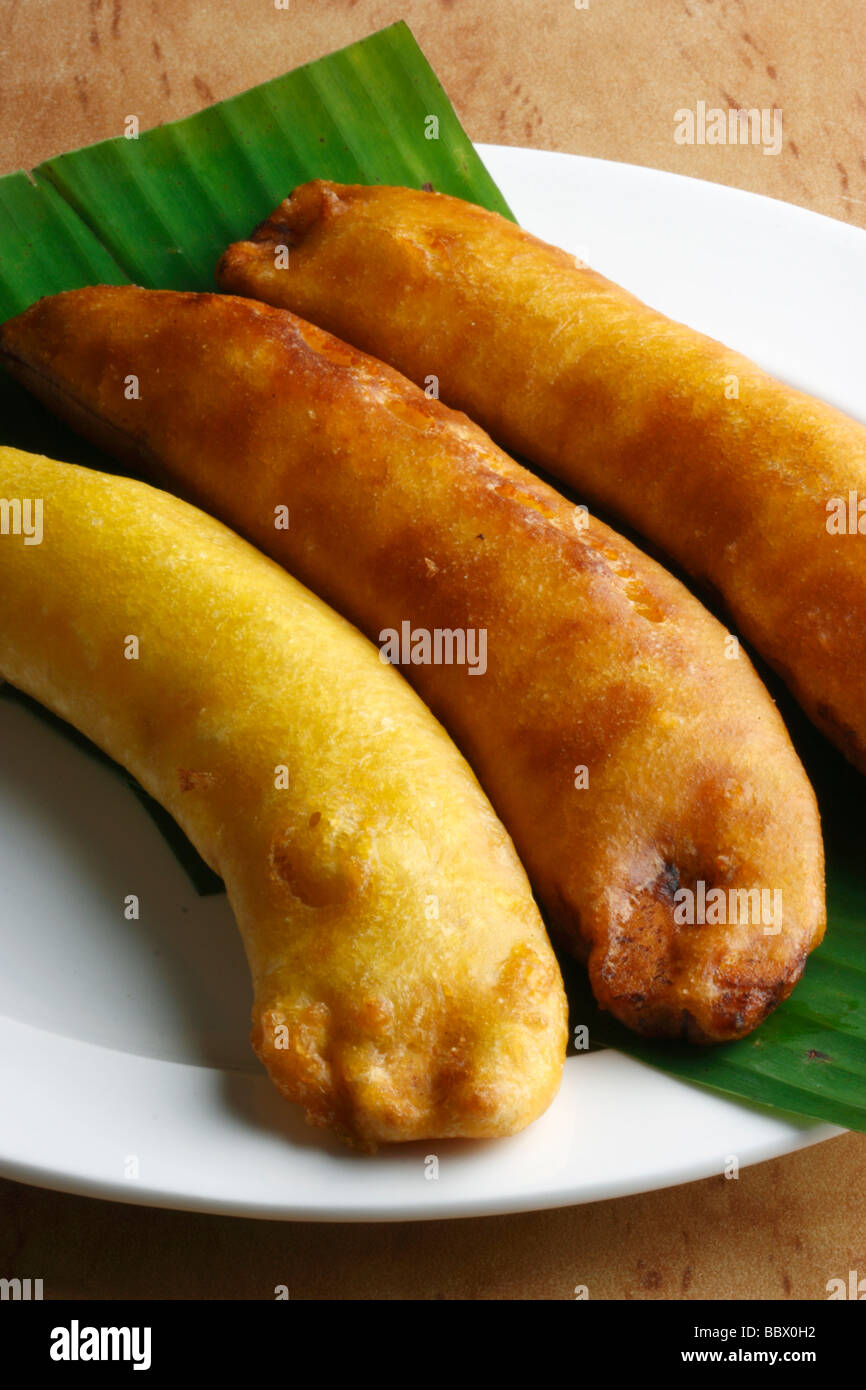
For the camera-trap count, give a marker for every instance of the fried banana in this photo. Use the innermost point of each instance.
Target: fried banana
(755, 489)
(404, 986)
(635, 765)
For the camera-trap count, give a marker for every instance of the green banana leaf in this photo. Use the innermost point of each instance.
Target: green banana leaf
(159, 210)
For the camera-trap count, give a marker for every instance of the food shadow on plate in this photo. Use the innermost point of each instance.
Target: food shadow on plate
(173, 983)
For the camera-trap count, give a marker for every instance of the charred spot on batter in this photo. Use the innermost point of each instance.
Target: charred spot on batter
(189, 779)
(668, 882)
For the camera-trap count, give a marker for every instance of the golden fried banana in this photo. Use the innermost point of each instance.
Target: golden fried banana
(629, 759)
(757, 490)
(404, 986)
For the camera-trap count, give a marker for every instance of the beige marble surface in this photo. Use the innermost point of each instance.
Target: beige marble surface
(605, 81)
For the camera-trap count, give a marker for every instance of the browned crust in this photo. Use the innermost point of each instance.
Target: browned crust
(401, 509)
(624, 404)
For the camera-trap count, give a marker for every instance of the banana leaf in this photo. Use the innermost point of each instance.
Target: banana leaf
(159, 210)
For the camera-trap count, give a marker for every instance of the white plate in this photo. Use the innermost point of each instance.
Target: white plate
(125, 1070)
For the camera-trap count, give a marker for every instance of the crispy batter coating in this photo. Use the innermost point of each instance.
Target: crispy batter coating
(404, 986)
(725, 469)
(401, 511)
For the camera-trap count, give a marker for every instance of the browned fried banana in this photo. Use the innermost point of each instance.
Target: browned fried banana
(757, 490)
(638, 769)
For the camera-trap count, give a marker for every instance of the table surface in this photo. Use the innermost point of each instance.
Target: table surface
(604, 80)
